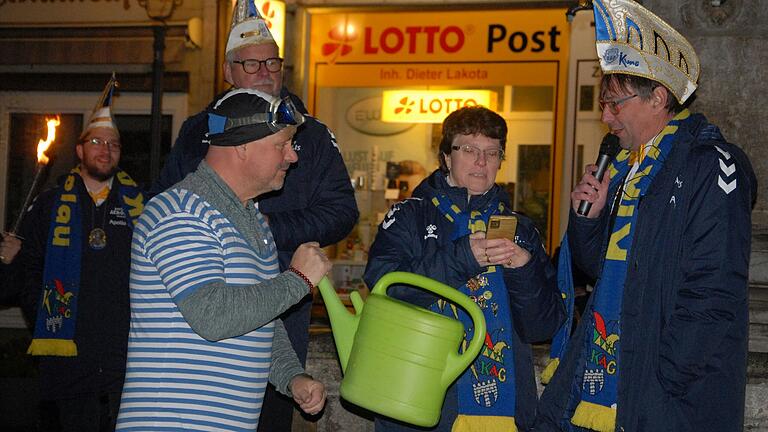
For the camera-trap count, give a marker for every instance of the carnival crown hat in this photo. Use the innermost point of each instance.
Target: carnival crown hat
(248, 27)
(244, 115)
(632, 40)
(101, 117)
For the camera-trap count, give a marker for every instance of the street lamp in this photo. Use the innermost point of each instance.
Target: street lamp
(159, 11)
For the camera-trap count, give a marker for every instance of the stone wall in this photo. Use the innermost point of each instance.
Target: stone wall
(731, 42)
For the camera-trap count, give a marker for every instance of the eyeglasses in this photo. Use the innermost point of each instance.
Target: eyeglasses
(490, 154)
(251, 66)
(614, 106)
(98, 142)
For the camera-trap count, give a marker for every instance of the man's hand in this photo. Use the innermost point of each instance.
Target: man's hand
(9, 247)
(310, 260)
(308, 393)
(591, 190)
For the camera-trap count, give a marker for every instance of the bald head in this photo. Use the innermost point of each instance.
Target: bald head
(256, 167)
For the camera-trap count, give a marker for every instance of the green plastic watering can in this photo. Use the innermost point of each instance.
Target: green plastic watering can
(398, 359)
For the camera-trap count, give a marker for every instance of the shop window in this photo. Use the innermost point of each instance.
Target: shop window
(533, 162)
(586, 98)
(532, 98)
(387, 160)
(136, 136)
(578, 167)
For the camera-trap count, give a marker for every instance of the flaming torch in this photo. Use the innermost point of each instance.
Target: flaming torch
(42, 161)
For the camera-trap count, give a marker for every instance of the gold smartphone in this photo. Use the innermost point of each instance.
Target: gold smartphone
(501, 227)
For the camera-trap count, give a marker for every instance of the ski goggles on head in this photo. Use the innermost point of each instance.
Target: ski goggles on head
(246, 115)
(282, 113)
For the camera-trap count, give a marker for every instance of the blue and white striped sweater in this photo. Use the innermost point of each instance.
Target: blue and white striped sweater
(175, 379)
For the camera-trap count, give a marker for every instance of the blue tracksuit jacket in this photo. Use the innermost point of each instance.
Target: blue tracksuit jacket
(684, 315)
(403, 244)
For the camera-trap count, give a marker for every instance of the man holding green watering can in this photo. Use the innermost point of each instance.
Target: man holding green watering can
(441, 233)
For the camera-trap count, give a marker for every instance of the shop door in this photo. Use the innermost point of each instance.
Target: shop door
(514, 61)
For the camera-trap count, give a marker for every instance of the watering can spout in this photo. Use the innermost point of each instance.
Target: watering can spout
(343, 322)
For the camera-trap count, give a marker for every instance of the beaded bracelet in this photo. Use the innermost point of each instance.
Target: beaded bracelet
(305, 278)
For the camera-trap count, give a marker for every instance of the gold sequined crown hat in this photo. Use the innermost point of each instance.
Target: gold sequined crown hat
(248, 27)
(632, 40)
(102, 112)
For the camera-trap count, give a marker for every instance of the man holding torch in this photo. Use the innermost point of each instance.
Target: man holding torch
(76, 260)
(11, 243)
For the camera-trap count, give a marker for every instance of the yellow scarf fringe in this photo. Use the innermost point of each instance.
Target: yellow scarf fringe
(469, 423)
(596, 417)
(549, 371)
(52, 347)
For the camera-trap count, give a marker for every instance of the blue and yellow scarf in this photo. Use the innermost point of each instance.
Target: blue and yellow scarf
(597, 407)
(57, 314)
(565, 285)
(487, 389)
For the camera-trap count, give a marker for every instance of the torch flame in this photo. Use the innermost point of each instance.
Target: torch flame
(42, 146)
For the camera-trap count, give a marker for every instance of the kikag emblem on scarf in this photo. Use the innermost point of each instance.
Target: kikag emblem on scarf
(602, 357)
(56, 302)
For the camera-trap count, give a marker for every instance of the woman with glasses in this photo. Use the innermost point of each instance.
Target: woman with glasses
(441, 233)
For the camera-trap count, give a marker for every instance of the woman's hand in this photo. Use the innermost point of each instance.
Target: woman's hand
(477, 244)
(501, 251)
(505, 252)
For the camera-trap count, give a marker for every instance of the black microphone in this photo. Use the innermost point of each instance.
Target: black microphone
(609, 148)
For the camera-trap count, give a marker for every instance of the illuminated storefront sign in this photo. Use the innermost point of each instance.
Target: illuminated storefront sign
(438, 36)
(430, 106)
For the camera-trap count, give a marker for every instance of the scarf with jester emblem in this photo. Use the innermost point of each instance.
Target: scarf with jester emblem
(54, 332)
(487, 389)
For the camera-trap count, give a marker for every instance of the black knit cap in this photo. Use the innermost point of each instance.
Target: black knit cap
(241, 116)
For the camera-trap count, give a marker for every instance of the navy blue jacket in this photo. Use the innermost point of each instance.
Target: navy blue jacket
(103, 309)
(402, 244)
(684, 315)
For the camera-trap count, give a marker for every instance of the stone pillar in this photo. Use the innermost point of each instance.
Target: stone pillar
(730, 40)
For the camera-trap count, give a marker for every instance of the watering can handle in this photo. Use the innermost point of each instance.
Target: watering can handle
(357, 301)
(456, 363)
